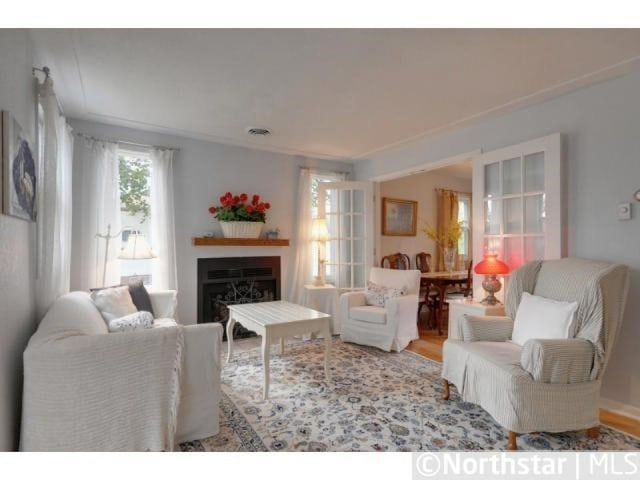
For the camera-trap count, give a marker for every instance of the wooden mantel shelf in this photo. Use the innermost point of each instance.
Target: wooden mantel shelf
(242, 242)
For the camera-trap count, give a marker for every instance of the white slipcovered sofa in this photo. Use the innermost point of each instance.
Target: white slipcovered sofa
(388, 328)
(89, 390)
(546, 385)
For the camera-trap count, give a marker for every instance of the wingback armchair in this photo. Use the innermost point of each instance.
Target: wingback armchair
(388, 328)
(544, 385)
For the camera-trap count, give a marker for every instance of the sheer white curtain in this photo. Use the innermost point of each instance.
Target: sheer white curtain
(54, 209)
(302, 269)
(97, 205)
(163, 239)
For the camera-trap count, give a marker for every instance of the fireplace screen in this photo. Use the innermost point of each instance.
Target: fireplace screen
(219, 295)
(230, 281)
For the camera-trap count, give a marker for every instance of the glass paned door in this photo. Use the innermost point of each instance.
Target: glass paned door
(517, 203)
(348, 210)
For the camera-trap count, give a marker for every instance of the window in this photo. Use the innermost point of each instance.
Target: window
(330, 253)
(135, 210)
(464, 218)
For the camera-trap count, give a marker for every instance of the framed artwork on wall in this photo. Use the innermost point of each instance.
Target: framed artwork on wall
(399, 217)
(19, 176)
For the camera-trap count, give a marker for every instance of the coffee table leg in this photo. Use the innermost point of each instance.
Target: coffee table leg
(281, 345)
(230, 324)
(266, 347)
(326, 332)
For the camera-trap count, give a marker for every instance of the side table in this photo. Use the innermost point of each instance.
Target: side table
(458, 308)
(323, 299)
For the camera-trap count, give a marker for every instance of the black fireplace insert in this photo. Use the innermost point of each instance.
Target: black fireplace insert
(233, 280)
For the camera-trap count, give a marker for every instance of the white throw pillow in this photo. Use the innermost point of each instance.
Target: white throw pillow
(543, 318)
(377, 295)
(113, 302)
(134, 321)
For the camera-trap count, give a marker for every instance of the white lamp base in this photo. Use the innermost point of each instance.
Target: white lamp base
(318, 281)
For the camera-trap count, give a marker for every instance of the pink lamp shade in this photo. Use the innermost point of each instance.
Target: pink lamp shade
(491, 266)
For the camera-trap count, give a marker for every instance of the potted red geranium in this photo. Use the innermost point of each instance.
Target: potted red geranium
(240, 217)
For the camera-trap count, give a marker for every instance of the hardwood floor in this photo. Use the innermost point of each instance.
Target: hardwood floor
(429, 345)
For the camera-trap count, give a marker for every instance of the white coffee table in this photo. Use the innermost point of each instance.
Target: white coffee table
(273, 320)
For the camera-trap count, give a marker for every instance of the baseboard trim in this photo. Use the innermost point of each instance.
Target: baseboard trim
(620, 408)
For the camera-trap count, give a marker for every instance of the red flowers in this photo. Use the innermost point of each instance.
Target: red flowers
(236, 208)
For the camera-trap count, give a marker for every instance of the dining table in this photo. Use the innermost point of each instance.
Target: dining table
(440, 281)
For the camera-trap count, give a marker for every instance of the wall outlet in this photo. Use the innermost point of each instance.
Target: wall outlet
(624, 211)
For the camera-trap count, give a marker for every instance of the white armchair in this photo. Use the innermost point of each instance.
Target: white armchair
(89, 390)
(545, 385)
(388, 328)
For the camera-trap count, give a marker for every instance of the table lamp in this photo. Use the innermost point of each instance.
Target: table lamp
(490, 267)
(320, 234)
(137, 248)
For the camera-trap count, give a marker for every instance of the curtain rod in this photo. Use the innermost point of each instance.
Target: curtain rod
(450, 190)
(124, 142)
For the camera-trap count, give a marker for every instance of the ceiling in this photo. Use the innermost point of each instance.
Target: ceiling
(337, 94)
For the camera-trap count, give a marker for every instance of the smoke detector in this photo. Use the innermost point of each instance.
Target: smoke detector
(259, 132)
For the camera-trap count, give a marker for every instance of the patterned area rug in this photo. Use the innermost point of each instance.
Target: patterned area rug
(377, 401)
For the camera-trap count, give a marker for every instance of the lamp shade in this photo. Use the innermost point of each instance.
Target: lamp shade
(491, 266)
(319, 231)
(137, 248)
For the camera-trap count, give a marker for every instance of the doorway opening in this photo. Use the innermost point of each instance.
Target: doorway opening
(430, 213)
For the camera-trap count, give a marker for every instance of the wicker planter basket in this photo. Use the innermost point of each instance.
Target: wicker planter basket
(241, 229)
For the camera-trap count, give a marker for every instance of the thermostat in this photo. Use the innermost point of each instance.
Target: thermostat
(624, 211)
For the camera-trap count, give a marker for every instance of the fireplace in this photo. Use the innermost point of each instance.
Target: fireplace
(232, 280)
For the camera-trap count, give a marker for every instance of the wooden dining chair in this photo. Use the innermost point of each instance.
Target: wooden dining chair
(423, 262)
(428, 296)
(396, 261)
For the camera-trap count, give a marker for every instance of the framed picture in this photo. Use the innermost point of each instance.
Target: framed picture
(19, 180)
(399, 217)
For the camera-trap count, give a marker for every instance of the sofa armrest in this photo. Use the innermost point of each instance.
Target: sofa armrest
(164, 303)
(558, 361)
(478, 328)
(200, 384)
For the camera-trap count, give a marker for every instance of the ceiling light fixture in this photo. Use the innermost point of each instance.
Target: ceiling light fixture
(260, 132)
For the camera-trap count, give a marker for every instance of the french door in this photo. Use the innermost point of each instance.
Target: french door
(517, 202)
(348, 210)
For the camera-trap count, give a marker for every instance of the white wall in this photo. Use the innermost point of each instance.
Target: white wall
(420, 188)
(602, 149)
(202, 172)
(17, 242)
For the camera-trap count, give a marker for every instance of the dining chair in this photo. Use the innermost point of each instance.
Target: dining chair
(396, 261)
(427, 295)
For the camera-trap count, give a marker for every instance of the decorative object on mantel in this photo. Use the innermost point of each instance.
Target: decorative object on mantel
(319, 234)
(239, 242)
(448, 241)
(238, 217)
(490, 267)
(272, 234)
(19, 171)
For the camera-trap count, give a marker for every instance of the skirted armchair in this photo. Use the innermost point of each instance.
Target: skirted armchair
(388, 328)
(545, 385)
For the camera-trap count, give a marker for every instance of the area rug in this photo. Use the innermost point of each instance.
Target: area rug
(376, 401)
